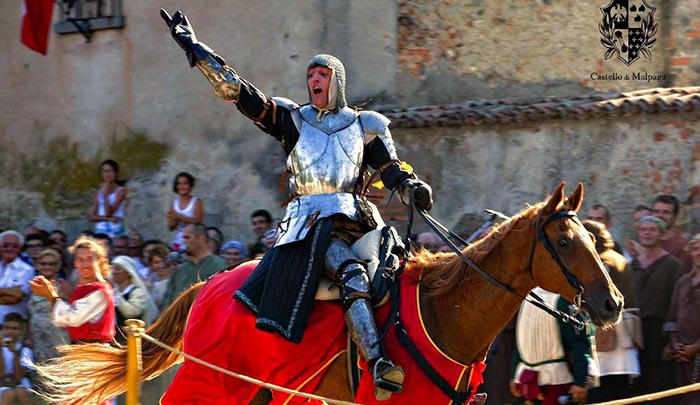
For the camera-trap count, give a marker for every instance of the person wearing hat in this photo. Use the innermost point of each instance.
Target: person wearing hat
(656, 272)
(329, 146)
(234, 252)
(132, 300)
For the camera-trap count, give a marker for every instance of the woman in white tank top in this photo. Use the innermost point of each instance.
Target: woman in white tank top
(185, 209)
(109, 207)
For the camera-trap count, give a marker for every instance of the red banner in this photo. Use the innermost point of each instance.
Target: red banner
(36, 23)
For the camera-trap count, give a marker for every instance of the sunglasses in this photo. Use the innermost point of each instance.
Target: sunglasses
(47, 263)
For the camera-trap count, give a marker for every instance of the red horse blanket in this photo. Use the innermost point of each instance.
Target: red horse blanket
(222, 331)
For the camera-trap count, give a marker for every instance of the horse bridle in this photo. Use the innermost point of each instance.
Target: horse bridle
(541, 236)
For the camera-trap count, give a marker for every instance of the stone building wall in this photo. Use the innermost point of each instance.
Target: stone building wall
(130, 95)
(453, 50)
(622, 163)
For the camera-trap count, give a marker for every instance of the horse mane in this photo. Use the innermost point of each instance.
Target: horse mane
(443, 272)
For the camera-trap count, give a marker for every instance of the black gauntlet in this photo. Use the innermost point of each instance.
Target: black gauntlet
(183, 34)
(422, 193)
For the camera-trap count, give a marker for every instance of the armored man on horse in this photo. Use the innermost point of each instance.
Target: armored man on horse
(329, 147)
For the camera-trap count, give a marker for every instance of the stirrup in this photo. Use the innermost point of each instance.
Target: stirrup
(388, 379)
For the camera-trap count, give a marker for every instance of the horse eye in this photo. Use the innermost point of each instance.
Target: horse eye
(563, 243)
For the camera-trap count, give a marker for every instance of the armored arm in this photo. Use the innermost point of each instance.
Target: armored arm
(383, 157)
(226, 82)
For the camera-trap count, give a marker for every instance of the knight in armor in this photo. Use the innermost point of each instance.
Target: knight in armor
(329, 146)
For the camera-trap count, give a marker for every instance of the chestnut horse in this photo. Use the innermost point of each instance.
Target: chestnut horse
(459, 310)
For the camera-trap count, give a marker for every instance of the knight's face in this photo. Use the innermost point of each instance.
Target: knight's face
(319, 80)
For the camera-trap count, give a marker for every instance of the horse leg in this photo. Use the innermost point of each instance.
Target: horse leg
(263, 397)
(335, 382)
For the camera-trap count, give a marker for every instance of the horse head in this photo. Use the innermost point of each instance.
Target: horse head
(563, 259)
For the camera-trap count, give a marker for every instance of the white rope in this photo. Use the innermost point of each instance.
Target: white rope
(653, 396)
(633, 400)
(244, 377)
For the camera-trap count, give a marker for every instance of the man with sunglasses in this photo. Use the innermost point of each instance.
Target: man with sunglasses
(14, 275)
(33, 244)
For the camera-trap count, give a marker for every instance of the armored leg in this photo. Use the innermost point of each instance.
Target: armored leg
(341, 263)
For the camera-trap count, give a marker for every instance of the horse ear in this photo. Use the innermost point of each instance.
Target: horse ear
(555, 200)
(576, 198)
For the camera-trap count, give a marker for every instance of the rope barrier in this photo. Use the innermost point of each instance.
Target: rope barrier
(626, 401)
(244, 377)
(656, 395)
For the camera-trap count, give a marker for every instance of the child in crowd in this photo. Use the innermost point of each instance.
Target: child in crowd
(16, 362)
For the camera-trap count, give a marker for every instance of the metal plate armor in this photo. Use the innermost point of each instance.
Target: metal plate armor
(325, 169)
(322, 163)
(330, 123)
(303, 212)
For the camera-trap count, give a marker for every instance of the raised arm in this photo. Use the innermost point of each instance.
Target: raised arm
(228, 85)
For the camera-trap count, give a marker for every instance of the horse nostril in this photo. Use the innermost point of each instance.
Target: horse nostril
(610, 305)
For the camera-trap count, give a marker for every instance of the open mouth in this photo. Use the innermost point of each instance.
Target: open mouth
(317, 90)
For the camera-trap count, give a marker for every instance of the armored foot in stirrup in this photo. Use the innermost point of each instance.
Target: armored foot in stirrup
(388, 379)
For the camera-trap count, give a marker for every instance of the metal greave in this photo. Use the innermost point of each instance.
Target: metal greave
(342, 264)
(362, 328)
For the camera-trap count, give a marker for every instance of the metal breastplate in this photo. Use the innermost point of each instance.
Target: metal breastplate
(326, 163)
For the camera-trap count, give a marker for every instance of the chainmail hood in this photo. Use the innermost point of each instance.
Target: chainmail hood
(336, 92)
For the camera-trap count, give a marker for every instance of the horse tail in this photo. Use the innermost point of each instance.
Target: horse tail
(92, 373)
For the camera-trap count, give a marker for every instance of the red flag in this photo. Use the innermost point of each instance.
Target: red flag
(36, 23)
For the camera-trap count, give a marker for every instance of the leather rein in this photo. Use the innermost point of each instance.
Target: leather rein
(541, 236)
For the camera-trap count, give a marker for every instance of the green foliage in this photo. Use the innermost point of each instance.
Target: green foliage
(67, 179)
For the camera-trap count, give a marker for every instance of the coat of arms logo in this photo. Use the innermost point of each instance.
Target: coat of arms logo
(628, 30)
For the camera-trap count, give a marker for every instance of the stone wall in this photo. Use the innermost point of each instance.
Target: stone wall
(130, 95)
(454, 50)
(622, 163)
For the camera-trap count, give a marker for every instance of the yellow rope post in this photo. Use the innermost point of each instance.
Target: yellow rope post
(134, 329)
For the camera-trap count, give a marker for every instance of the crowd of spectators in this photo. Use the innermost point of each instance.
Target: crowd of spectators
(37, 270)
(655, 347)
